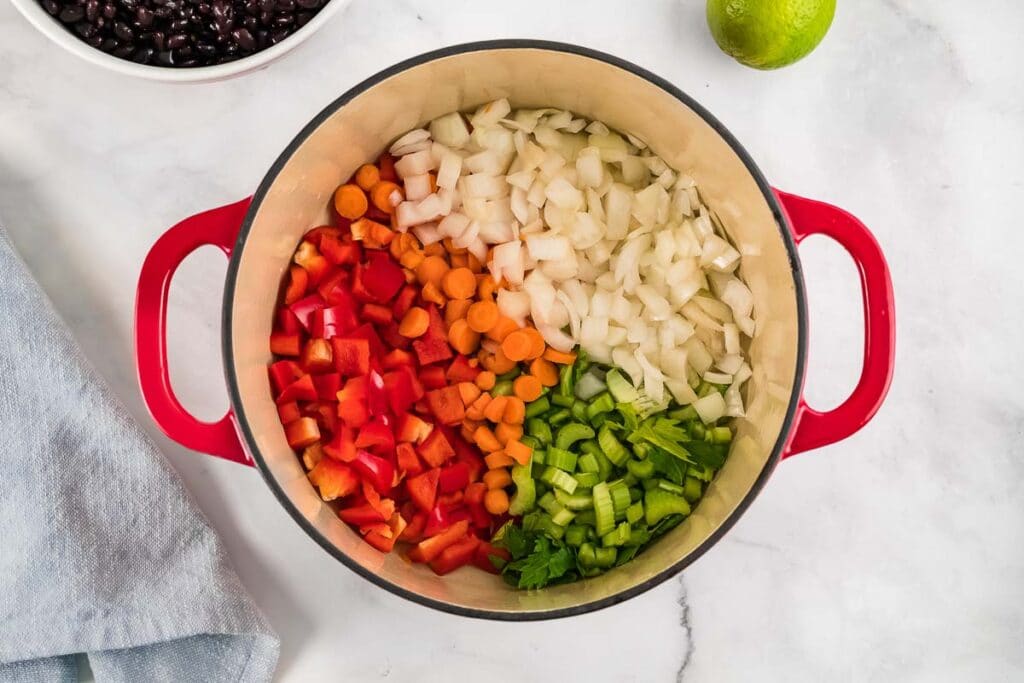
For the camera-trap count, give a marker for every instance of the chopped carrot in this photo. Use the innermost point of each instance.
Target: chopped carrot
(456, 309)
(475, 492)
(411, 259)
(485, 380)
(459, 261)
(463, 339)
(496, 501)
(476, 411)
(495, 410)
(459, 283)
(434, 249)
(367, 176)
(537, 350)
(502, 328)
(498, 362)
(450, 246)
(498, 459)
(482, 316)
(467, 430)
(382, 233)
(560, 357)
(516, 345)
(515, 411)
(469, 392)
(410, 276)
(497, 478)
(380, 195)
(414, 323)
(545, 371)
(350, 202)
(431, 293)
(519, 452)
(432, 269)
(486, 286)
(508, 432)
(486, 440)
(527, 387)
(473, 263)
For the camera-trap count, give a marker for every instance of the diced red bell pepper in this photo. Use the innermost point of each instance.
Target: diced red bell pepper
(484, 552)
(376, 436)
(461, 371)
(305, 307)
(287, 322)
(411, 429)
(433, 377)
(366, 331)
(404, 301)
(327, 386)
(353, 412)
(413, 533)
(397, 358)
(458, 554)
(433, 346)
(338, 252)
(426, 551)
(359, 290)
(386, 164)
(298, 281)
(334, 321)
(342, 447)
(317, 356)
(325, 414)
(423, 489)
(442, 516)
(336, 290)
(309, 258)
(467, 453)
(354, 389)
(435, 450)
(351, 356)
(385, 542)
(451, 501)
(360, 515)
(385, 506)
(334, 479)
(376, 470)
(408, 461)
(393, 338)
(382, 277)
(454, 478)
(403, 389)
(301, 389)
(283, 373)
(302, 432)
(376, 395)
(446, 404)
(377, 314)
(284, 344)
(315, 235)
(479, 516)
(288, 412)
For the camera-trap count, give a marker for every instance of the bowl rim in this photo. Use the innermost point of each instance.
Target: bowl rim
(672, 570)
(50, 27)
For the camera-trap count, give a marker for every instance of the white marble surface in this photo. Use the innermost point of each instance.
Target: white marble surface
(895, 555)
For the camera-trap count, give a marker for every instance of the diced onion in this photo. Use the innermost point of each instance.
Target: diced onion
(710, 407)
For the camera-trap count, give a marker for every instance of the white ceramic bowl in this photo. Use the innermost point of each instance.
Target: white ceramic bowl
(55, 31)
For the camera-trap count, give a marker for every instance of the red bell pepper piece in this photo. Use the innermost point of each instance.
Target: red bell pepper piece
(334, 479)
(288, 412)
(334, 321)
(302, 432)
(310, 258)
(412, 429)
(433, 346)
(382, 277)
(408, 461)
(298, 281)
(360, 515)
(485, 551)
(353, 412)
(366, 331)
(354, 389)
(376, 436)
(317, 356)
(423, 489)
(327, 386)
(336, 289)
(413, 533)
(433, 377)
(301, 389)
(442, 516)
(351, 356)
(338, 252)
(404, 301)
(384, 539)
(385, 506)
(315, 235)
(397, 358)
(454, 478)
(386, 164)
(435, 449)
(446, 404)
(426, 551)
(376, 470)
(342, 447)
(403, 389)
(479, 516)
(376, 395)
(458, 554)
(461, 371)
(377, 314)
(284, 344)
(325, 414)
(282, 373)
(305, 308)
(287, 322)
(393, 338)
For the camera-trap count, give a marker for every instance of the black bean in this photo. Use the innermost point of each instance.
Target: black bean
(123, 31)
(206, 50)
(71, 14)
(124, 51)
(51, 6)
(108, 45)
(244, 39)
(176, 41)
(308, 4)
(144, 16)
(302, 18)
(92, 9)
(109, 11)
(157, 39)
(85, 29)
(284, 20)
(143, 55)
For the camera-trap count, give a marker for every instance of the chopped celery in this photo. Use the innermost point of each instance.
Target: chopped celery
(629, 478)
(611, 447)
(641, 469)
(558, 417)
(586, 517)
(579, 410)
(605, 557)
(720, 434)
(538, 407)
(547, 501)
(587, 480)
(635, 513)
(526, 492)
(539, 429)
(598, 420)
(575, 535)
(621, 389)
(587, 556)
(620, 495)
(691, 489)
(602, 403)
(697, 430)
(563, 401)
(618, 536)
(670, 487)
(562, 517)
(538, 455)
(571, 433)
(576, 501)
(702, 473)
(560, 458)
(685, 414)
(604, 509)
(588, 463)
(502, 389)
(531, 441)
(567, 381)
(559, 479)
(508, 376)
(659, 504)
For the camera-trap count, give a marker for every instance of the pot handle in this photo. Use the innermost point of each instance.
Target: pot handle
(813, 429)
(218, 227)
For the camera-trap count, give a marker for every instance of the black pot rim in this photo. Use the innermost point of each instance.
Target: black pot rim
(781, 223)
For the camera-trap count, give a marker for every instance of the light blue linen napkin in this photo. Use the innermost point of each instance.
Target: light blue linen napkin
(101, 549)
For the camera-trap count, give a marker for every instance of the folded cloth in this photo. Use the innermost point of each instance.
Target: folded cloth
(101, 549)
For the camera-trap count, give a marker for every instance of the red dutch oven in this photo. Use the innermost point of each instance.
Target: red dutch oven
(259, 234)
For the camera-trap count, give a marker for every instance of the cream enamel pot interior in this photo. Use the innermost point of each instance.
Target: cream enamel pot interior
(260, 234)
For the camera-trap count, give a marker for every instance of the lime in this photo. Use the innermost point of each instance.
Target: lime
(767, 34)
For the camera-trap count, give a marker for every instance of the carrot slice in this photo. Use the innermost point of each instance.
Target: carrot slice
(431, 293)
(527, 387)
(496, 501)
(485, 380)
(519, 452)
(497, 478)
(459, 283)
(473, 263)
(516, 345)
(508, 432)
(515, 411)
(476, 411)
(350, 202)
(486, 440)
(411, 259)
(462, 339)
(414, 323)
(486, 286)
(367, 176)
(545, 371)
(456, 309)
(495, 410)
(560, 357)
(482, 316)
(498, 362)
(469, 391)
(434, 249)
(461, 261)
(537, 339)
(432, 269)
(502, 328)
(380, 195)
(498, 459)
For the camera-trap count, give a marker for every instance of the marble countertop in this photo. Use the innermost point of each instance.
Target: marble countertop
(894, 555)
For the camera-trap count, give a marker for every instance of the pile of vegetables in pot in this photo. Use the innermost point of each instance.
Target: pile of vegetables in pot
(520, 346)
